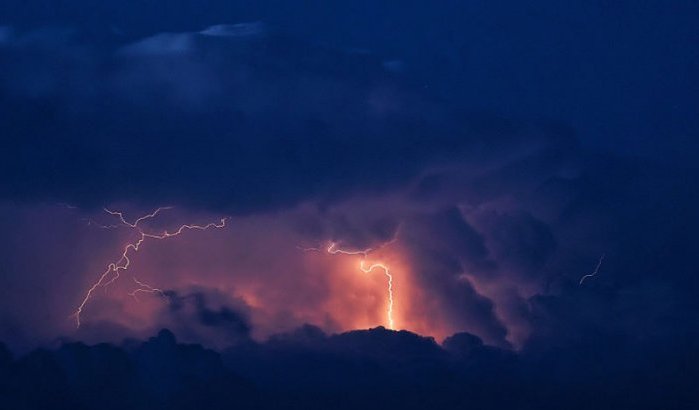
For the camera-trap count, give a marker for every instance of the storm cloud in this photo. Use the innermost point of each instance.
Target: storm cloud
(482, 205)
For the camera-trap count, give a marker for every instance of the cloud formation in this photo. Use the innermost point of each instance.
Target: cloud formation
(487, 224)
(373, 368)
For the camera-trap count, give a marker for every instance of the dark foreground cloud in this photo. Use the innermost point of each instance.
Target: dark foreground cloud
(373, 369)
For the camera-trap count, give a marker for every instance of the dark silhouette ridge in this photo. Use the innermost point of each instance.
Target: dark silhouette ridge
(375, 369)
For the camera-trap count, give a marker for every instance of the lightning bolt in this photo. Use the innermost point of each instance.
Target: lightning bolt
(332, 249)
(594, 273)
(144, 288)
(139, 220)
(387, 272)
(112, 272)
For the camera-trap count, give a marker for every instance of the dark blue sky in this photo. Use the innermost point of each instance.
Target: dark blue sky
(621, 73)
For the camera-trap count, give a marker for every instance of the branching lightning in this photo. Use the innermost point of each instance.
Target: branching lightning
(365, 267)
(144, 288)
(112, 272)
(594, 273)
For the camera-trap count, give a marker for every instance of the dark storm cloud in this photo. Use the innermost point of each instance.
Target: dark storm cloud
(233, 117)
(245, 122)
(374, 369)
(240, 118)
(498, 218)
(192, 317)
(519, 241)
(620, 72)
(448, 233)
(156, 373)
(443, 248)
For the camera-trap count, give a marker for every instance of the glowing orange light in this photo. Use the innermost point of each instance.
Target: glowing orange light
(334, 250)
(389, 312)
(111, 274)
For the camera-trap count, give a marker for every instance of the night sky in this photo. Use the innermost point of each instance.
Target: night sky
(457, 204)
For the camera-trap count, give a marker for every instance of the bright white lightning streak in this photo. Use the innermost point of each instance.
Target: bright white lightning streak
(124, 261)
(334, 250)
(389, 312)
(594, 273)
(139, 220)
(144, 288)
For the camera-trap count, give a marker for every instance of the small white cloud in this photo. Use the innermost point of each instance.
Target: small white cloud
(234, 30)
